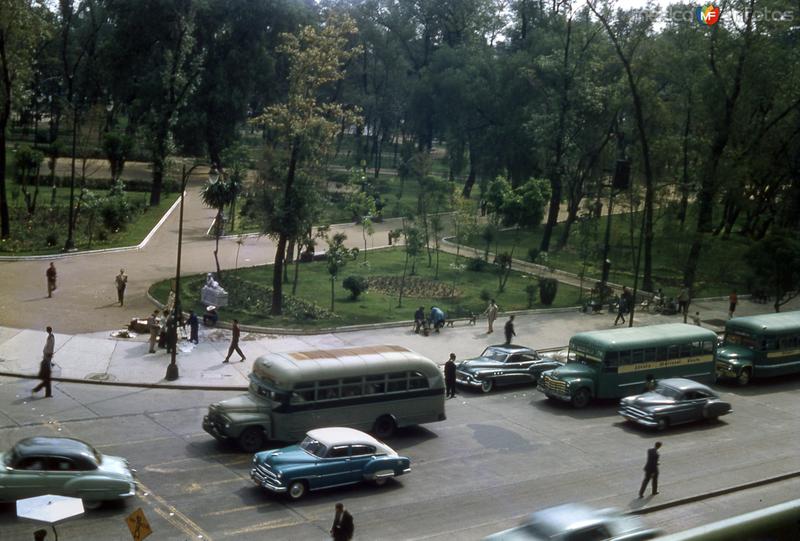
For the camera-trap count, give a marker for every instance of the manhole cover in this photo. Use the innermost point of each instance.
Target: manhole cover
(104, 376)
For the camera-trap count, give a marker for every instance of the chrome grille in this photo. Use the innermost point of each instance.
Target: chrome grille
(551, 384)
(266, 472)
(635, 413)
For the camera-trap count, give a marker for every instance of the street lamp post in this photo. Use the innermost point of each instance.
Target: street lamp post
(172, 367)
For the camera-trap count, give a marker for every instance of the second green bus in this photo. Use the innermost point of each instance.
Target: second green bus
(615, 363)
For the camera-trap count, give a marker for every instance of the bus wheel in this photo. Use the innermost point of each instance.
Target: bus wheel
(581, 398)
(251, 439)
(663, 424)
(486, 385)
(384, 427)
(744, 377)
(297, 489)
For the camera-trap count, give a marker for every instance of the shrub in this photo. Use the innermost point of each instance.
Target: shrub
(547, 290)
(114, 212)
(530, 293)
(356, 285)
(52, 238)
(533, 254)
(485, 295)
(476, 264)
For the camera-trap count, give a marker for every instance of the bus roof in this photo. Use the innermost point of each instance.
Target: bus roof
(649, 336)
(775, 323)
(285, 369)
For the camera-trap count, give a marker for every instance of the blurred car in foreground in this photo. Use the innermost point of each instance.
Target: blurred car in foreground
(673, 401)
(577, 522)
(65, 467)
(327, 457)
(503, 365)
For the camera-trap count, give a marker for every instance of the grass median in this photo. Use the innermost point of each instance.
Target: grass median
(455, 290)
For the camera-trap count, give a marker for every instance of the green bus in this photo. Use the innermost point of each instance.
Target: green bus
(760, 347)
(617, 362)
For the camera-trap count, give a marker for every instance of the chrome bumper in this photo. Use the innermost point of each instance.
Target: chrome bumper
(212, 428)
(265, 482)
(554, 394)
(462, 379)
(638, 417)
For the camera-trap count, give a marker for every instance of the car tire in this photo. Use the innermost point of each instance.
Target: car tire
(487, 385)
(662, 424)
(297, 489)
(581, 398)
(384, 427)
(744, 377)
(251, 439)
(91, 505)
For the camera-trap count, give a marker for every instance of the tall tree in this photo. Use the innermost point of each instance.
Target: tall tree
(21, 29)
(304, 124)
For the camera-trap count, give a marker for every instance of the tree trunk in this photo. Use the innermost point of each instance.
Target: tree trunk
(217, 234)
(472, 173)
(280, 249)
(159, 162)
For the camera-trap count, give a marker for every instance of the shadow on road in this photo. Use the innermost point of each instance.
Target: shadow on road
(596, 409)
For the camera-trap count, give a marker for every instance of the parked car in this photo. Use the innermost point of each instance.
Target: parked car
(327, 457)
(673, 401)
(577, 522)
(65, 467)
(503, 365)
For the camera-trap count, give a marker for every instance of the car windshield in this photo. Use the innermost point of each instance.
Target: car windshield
(669, 392)
(494, 354)
(261, 390)
(740, 340)
(313, 447)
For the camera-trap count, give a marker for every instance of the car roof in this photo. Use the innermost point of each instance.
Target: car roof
(683, 384)
(47, 446)
(568, 516)
(510, 348)
(339, 435)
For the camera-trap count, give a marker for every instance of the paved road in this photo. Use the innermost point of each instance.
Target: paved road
(496, 458)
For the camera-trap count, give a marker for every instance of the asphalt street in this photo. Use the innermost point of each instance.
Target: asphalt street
(496, 458)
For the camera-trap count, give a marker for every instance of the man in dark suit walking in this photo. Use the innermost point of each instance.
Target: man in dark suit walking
(450, 376)
(46, 366)
(509, 330)
(342, 529)
(651, 470)
(235, 342)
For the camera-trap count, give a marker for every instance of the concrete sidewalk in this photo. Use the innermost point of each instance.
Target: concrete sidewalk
(100, 358)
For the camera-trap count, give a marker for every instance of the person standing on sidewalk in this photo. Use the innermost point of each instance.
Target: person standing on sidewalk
(235, 343)
(683, 302)
(651, 470)
(509, 330)
(491, 315)
(194, 327)
(732, 301)
(450, 376)
(122, 282)
(46, 366)
(342, 529)
(154, 328)
(51, 279)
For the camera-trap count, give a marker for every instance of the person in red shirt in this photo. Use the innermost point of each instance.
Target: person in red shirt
(732, 300)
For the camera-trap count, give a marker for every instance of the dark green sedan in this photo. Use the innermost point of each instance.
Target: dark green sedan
(65, 467)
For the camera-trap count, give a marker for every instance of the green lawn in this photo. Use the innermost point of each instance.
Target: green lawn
(720, 270)
(373, 307)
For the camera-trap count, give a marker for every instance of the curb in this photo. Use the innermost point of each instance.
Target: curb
(101, 251)
(714, 493)
(171, 386)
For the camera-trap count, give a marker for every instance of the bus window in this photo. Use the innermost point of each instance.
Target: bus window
(637, 356)
(302, 396)
(624, 358)
(685, 350)
(708, 346)
(662, 353)
(417, 381)
(649, 355)
(674, 352)
(352, 387)
(327, 393)
(740, 339)
(375, 385)
(697, 348)
(398, 381)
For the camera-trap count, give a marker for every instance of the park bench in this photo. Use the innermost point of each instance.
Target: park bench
(471, 319)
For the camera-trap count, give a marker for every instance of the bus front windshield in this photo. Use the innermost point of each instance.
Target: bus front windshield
(740, 339)
(265, 392)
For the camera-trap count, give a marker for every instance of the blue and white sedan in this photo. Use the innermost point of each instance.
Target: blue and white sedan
(326, 458)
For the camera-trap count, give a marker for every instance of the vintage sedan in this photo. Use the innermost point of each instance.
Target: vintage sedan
(65, 467)
(577, 522)
(327, 457)
(673, 401)
(503, 365)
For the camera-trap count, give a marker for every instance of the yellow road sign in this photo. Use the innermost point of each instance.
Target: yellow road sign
(138, 525)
